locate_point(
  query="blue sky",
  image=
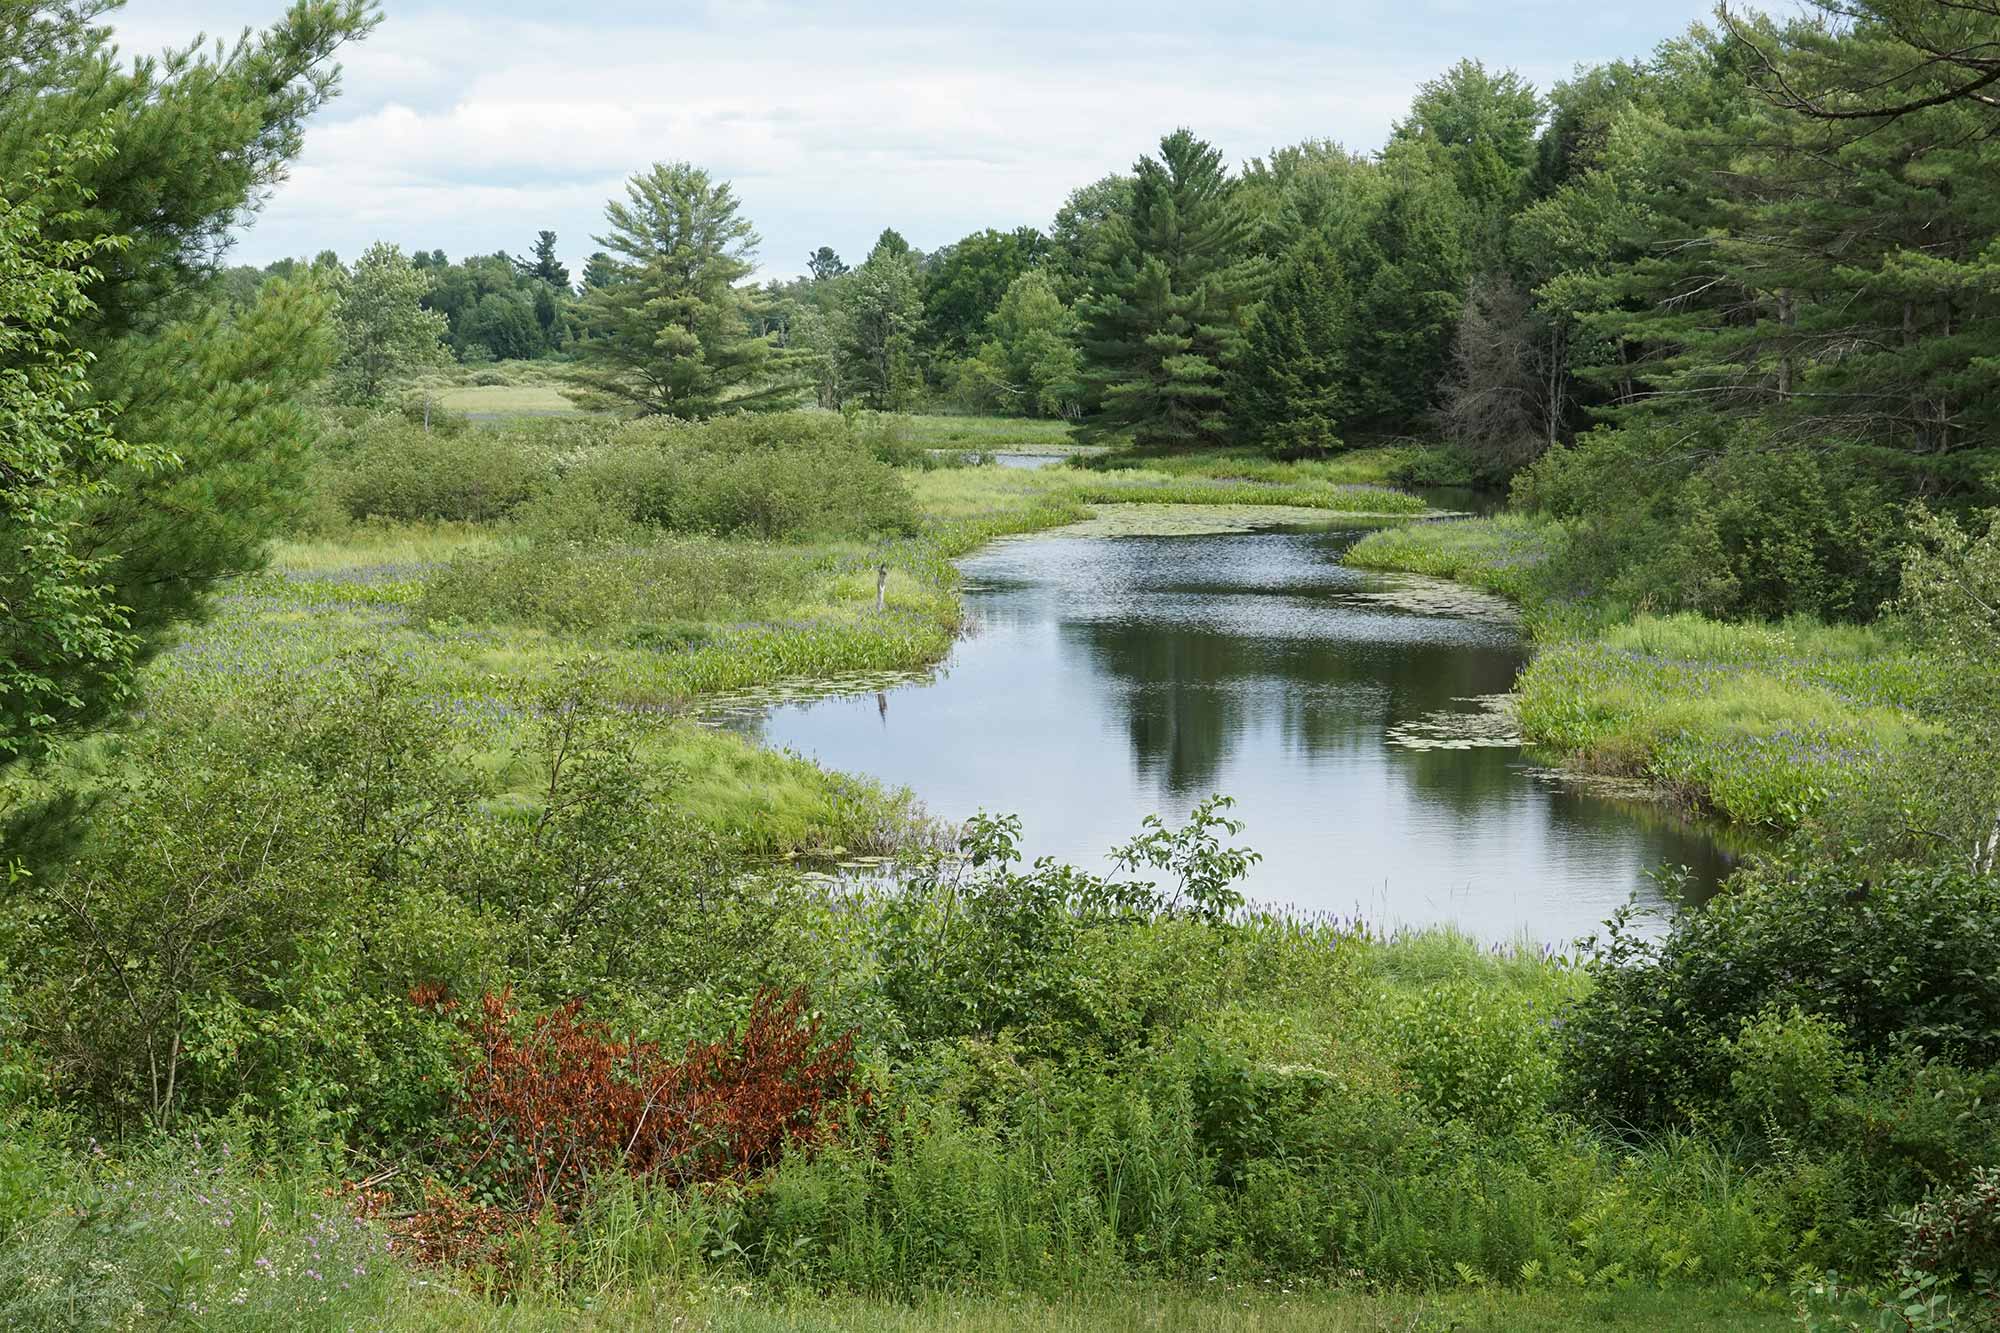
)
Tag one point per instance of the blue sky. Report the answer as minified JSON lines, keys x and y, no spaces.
{"x":470,"y":126}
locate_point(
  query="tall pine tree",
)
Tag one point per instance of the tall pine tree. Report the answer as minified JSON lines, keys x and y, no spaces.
{"x":1294,"y":389}
{"x":669,"y":333}
{"x":1173,"y":279}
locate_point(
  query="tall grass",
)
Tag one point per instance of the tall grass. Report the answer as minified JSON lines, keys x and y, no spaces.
{"x":1505,"y":554}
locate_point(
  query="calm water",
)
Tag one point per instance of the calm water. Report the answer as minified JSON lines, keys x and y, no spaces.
{"x":1108,"y":679}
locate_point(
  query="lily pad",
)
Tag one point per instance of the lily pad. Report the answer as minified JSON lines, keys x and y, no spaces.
{"x":1489,"y":724}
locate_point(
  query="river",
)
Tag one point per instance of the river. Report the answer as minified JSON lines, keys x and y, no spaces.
{"x":1106,"y":678}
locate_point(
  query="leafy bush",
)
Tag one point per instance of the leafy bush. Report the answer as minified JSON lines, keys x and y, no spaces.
{"x":398,"y":471}
{"x":1787,"y":1069}
{"x":1725,"y":523}
{"x":778,"y":475}
{"x":1902,"y":957}
{"x":546,"y":1108}
{"x":1476,"y":1053}
{"x":969,"y":945}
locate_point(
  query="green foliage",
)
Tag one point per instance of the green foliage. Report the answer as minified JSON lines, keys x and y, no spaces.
{"x":1786,"y":1068}
{"x":773,"y":477}
{"x":396,"y":470}
{"x":68,"y":651}
{"x":1028,"y":363}
{"x":385,"y":333}
{"x":963,"y":285}
{"x":198,"y":136}
{"x":878,"y":315}
{"x":669,"y":333}
{"x":1477,"y":1053}
{"x":105,"y":246}
{"x":1294,"y":390}
{"x":1171,"y":283}
{"x":1894,"y":962}
{"x":1750,"y":531}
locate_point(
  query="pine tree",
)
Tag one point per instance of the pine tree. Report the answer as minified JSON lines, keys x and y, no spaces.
{"x":214,"y":445}
{"x":542,"y":264}
{"x":1294,"y":390}
{"x":1170,"y":287}
{"x":669,"y":334}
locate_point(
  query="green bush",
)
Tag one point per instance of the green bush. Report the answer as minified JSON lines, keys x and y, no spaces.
{"x":1728,"y":524}
{"x":398,"y":471}
{"x":782,"y":475}
{"x":1900,"y":956}
{"x":1786,"y":1069}
{"x":1478,"y":1053}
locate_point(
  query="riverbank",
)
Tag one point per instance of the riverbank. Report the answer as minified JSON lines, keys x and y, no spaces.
{"x":1761,"y":724}
{"x":482,"y":615}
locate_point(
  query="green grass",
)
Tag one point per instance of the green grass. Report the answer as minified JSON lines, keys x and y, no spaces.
{"x":1761,"y":723}
{"x":1758,"y":723}
{"x":1000,"y":434}
{"x":507,"y":400}
{"x":1503,"y":554}
{"x":1381,"y":465}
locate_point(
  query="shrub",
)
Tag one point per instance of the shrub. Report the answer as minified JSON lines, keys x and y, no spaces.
{"x":1902,"y":956}
{"x":778,"y":475}
{"x":546,"y":1108}
{"x":1477,"y":1053}
{"x":1786,"y":1068}
{"x":400,"y":472}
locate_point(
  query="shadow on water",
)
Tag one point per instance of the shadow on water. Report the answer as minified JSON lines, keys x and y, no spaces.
{"x":1108,"y":679}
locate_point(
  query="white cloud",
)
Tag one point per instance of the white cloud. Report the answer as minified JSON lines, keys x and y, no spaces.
{"x":470,"y":131}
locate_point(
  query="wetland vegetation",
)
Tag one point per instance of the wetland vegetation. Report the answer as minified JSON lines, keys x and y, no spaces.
{"x":545,"y":800}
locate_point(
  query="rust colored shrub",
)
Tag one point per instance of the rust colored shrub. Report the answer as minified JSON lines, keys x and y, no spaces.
{"x":547,"y":1105}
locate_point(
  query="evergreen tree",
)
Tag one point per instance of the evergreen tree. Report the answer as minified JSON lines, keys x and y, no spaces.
{"x":600,"y":270}
{"x":1170,"y":287}
{"x":214,"y":442}
{"x":1294,"y":387}
{"x":542,"y":265}
{"x":823,"y":263}
{"x":385,"y":333}
{"x":67,"y":646}
{"x":669,"y":333}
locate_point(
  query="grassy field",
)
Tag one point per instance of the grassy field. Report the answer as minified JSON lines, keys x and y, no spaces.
{"x":507,"y":400}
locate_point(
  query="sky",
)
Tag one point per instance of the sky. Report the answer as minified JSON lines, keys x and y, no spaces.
{"x":469,"y":125}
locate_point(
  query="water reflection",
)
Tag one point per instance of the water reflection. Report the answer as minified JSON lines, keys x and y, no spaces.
{"x":1109,"y":679}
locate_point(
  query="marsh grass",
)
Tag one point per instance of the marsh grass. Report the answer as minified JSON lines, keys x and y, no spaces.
{"x":1504,"y":554}
{"x":1381,"y":465}
{"x":1763,"y":723}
